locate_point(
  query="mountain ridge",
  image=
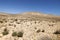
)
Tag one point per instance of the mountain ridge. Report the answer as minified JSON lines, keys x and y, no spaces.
{"x":29,"y":14}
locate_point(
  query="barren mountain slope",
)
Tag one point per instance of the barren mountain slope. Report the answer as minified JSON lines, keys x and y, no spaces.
{"x":29,"y":26}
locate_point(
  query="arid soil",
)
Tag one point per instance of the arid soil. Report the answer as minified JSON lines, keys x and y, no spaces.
{"x":29,"y":26}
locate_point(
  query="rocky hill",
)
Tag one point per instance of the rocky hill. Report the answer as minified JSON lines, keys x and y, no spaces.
{"x":29,"y":26}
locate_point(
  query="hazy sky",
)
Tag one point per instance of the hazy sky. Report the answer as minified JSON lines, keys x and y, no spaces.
{"x":19,"y":6}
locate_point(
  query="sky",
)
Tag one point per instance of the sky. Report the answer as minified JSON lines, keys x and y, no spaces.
{"x":20,"y":6}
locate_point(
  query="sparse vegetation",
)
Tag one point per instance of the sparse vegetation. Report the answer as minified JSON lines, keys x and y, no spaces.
{"x":10,"y":24}
{"x":43,"y":31}
{"x":19,"y":34}
{"x":35,"y":22}
{"x":14,"y":25}
{"x":5,"y":31}
{"x":17,"y":22}
{"x":57,"y":32}
{"x":38,"y":31}
{"x":15,"y":19}
{"x":14,"y":34}
{"x":1,"y":21}
{"x":50,"y":24}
